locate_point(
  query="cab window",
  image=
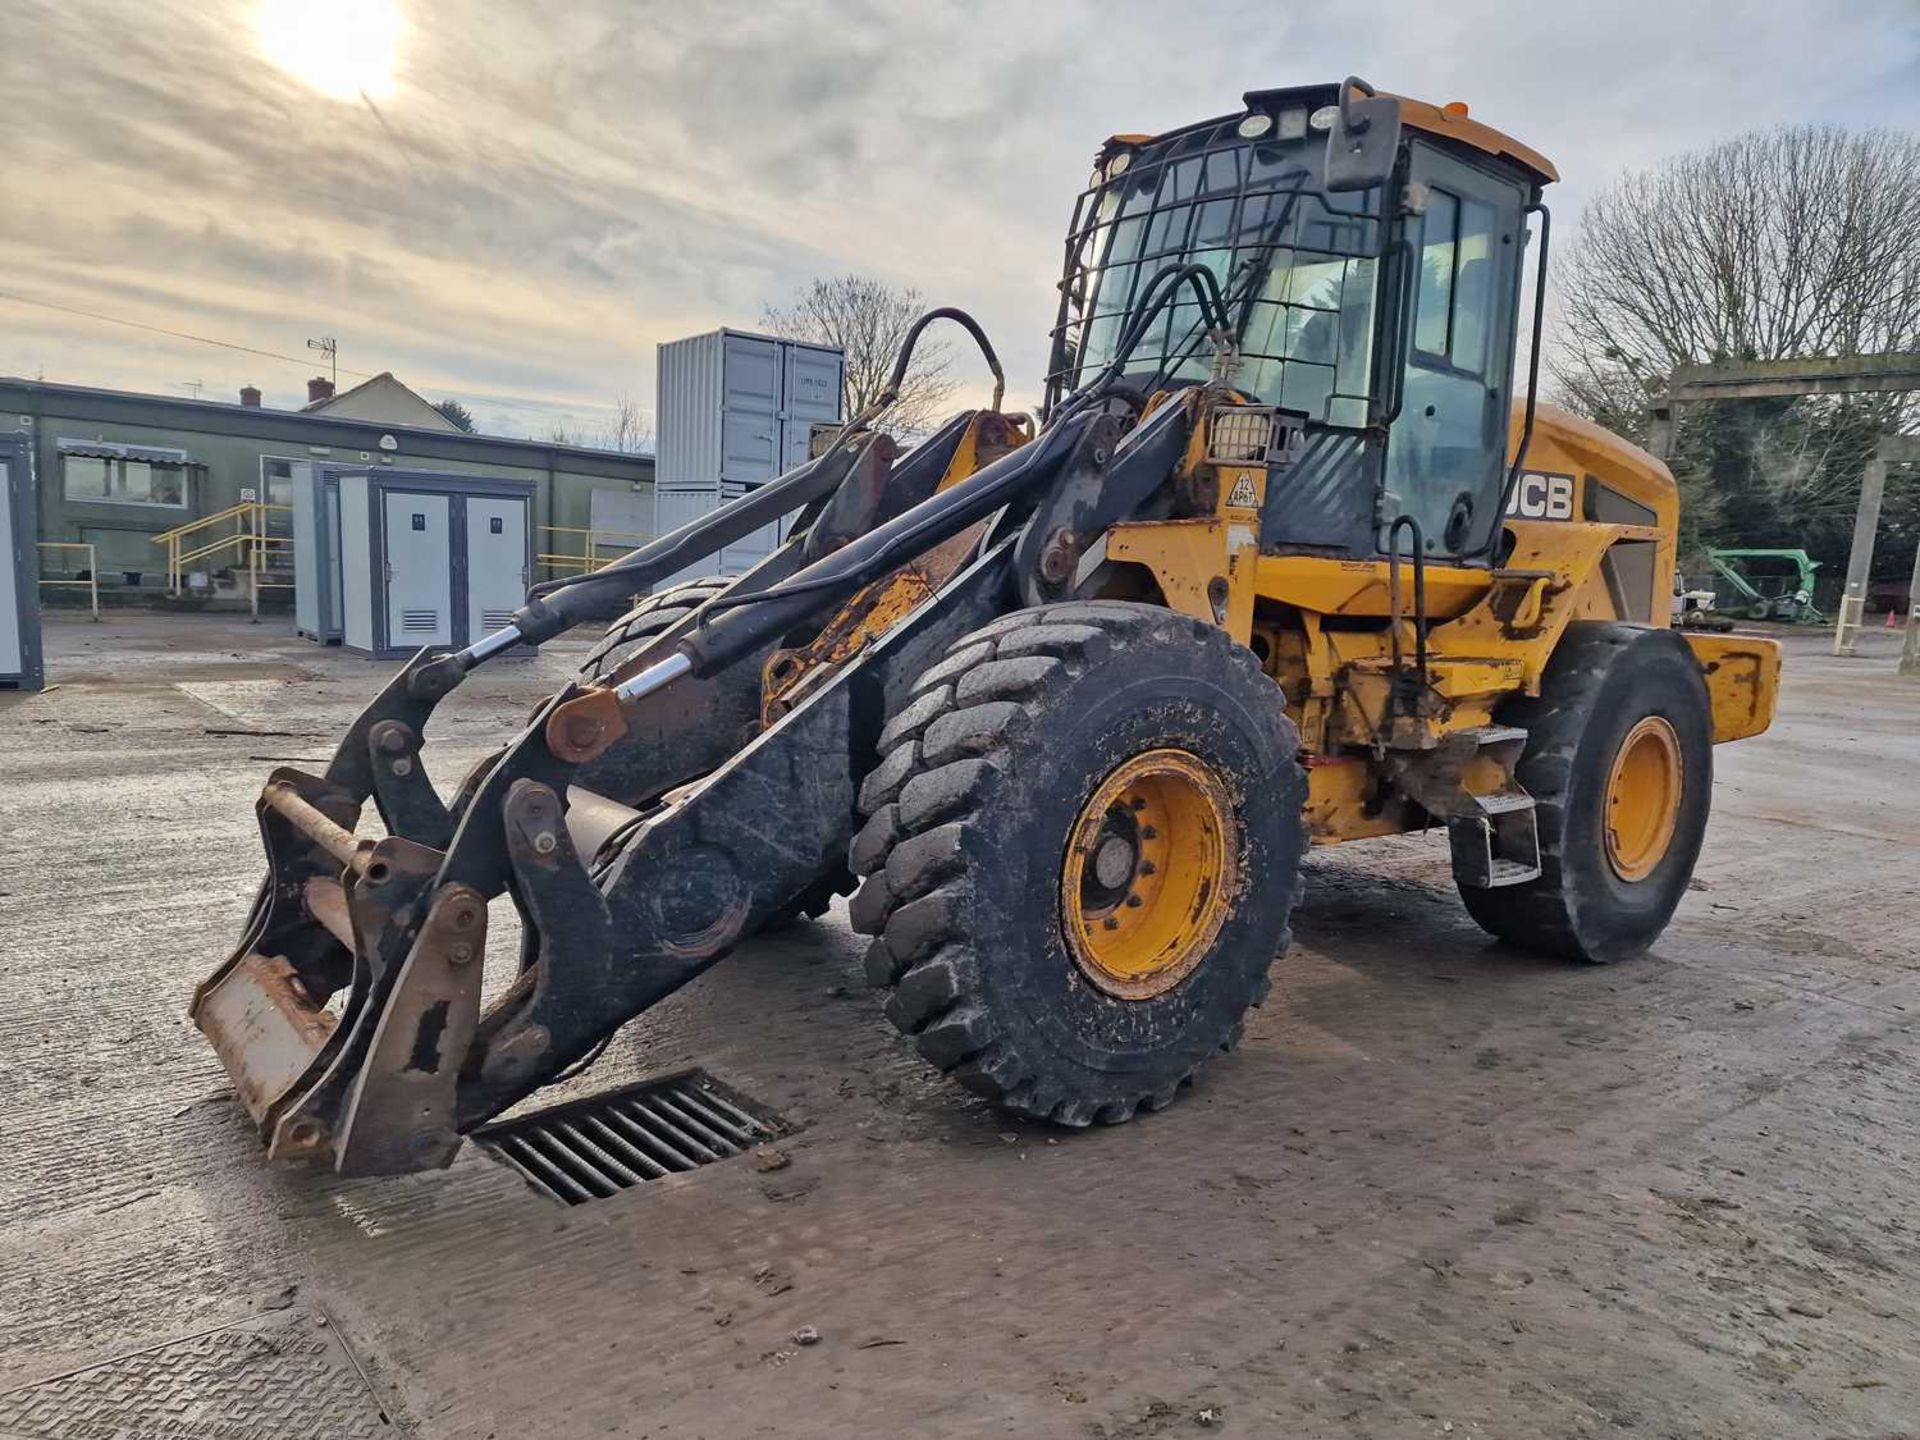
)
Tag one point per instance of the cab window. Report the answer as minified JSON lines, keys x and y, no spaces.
{"x":1446,"y":451}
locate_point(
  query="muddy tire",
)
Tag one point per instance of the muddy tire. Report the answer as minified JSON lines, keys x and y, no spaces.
{"x":1619,"y":760}
{"x":1042,"y":940}
{"x":650,"y":616}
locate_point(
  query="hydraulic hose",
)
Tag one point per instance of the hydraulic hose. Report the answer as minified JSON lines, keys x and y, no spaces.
{"x":904,"y":359}
{"x":1154,"y":299}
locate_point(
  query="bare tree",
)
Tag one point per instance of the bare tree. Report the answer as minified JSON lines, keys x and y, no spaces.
{"x":628,"y":430}
{"x":1787,"y":242}
{"x":1784,"y":243}
{"x":868,"y":319}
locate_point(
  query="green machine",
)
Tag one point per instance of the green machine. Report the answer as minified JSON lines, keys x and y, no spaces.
{"x":1768,"y":584}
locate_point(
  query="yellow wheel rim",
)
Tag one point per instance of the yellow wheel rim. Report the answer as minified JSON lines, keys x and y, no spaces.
{"x":1151,"y":871}
{"x":1643,"y":798}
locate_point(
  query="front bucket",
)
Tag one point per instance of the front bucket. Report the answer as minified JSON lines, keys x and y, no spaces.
{"x":265,"y":1028}
{"x":344,"y":1016}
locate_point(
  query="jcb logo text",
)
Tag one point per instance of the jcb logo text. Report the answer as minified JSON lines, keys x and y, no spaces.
{"x":1542,"y":497}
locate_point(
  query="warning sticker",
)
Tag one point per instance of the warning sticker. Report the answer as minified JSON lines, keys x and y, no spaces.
{"x":1243,"y":496}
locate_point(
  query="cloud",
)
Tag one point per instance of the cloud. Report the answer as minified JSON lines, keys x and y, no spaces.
{"x":551,"y":192}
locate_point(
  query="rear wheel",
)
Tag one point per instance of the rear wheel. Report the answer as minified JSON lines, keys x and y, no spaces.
{"x":651,"y":615}
{"x":1619,"y":761}
{"x":1082,"y":852}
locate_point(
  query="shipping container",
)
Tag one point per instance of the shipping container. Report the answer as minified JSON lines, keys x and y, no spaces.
{"x":734,"y":410}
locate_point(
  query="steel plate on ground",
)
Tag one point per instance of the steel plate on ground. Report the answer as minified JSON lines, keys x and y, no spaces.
{"x":283,"y":1375}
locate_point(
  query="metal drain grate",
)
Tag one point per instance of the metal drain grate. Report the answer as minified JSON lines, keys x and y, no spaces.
{"x":590,"y":1149}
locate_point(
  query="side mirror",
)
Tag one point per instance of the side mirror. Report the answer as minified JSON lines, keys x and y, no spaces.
{"x":1365,"y":139}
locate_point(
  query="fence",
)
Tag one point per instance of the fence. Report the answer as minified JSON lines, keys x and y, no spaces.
{"x":589,"y":557}
{"x":91,"y":584}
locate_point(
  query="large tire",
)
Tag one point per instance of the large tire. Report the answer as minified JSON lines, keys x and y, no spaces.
{"x":650,"y":616}
{"x":1604,"y":894}
{"x":989,"y":776}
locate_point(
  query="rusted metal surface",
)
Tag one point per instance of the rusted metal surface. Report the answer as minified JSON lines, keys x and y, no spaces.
{"x":327,"y":903}
{"x":584,"y":726}
{"x":791,"y":675}
{"x":384,"y":895}
{"x":265,"y":1028}
{"x":335,"y":839}
{"x":400,"y":1109}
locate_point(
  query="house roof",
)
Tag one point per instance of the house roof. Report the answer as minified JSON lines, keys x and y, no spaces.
{"x":371,"y":388}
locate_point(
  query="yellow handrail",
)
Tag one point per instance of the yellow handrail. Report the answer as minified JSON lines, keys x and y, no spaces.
{"x":91,"y":584}
{"x":250,"y":516}
{"x":588,"y":559}
{"x":231,"y":512}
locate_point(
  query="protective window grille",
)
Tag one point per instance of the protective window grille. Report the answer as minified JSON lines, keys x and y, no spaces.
{"x":590,"y":1149}
{"x":414,"y":621}
{"x":1295,"y":265}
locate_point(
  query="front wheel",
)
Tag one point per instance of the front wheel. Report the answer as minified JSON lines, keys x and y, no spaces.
{"x":1619,"y":761}
{"x":1082,"y":852}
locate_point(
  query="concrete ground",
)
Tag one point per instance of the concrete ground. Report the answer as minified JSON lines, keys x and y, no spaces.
{"x":1442,"y":1190}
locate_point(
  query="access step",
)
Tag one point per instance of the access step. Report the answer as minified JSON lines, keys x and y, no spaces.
{"x":1499,"y":843}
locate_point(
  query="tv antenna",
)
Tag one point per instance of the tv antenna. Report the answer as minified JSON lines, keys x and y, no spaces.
{"x":330,"y":348}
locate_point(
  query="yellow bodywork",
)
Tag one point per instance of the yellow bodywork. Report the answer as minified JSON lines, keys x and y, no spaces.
{"x":1606,"y":553}
{"x":789,"y":675}
{"x":1743,"y":678}
{"x":1336,"y":634}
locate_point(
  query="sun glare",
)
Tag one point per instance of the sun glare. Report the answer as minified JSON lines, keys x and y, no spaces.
{"x":342,"y":48}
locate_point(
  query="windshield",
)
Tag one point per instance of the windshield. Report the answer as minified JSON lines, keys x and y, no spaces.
{"x":1295,"y":264}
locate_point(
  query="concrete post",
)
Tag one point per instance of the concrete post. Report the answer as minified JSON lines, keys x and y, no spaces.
{"x":1866,"y":524}
{"x":1910,"y":652}
{"x":1660,"y":429}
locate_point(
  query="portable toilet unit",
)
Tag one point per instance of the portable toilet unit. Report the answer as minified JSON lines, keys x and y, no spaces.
{"x":430,"y":559}
{"x":319,"y":609}
{"x":735,"y":410}
{"x":20,"y":667}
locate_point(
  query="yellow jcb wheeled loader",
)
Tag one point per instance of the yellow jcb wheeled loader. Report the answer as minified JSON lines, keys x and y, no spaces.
{"x":1286,"y":561}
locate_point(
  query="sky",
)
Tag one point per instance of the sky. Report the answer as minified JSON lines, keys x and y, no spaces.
{"x":511,"y":204}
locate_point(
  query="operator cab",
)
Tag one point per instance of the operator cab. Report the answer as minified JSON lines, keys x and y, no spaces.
{"x":1368,"y":252}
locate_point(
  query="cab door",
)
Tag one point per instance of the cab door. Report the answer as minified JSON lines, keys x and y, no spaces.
{"x":1446,"y":452}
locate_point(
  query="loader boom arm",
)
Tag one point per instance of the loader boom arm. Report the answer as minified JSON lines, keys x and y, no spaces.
{"x":644,"y":900}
